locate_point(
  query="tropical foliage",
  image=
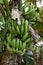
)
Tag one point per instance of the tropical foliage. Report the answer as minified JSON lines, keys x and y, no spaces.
{"x":17,"y":40}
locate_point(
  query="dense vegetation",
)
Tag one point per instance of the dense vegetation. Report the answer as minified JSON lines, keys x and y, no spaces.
{"x":21,"y":33}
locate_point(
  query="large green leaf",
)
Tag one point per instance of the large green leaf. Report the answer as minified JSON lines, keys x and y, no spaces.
{"x":28,"y":58}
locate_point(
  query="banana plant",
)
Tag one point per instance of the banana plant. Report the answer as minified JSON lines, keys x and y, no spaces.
{"x":15,"y":38}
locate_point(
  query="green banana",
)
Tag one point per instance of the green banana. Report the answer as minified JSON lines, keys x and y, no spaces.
{"x":22,"y":27}
{"x":25,"y":37}
{"x":9,"y":39}
{"x":26,"y":26}
{"x":17,"y":44}
{"x":17,"y":29}
{"x":9,"y":48}
{"x":13,"y":43}
{"x":15,"y":23}
{"x":22,"y":30}
{"x":20,"y":45}
{"x":23,"y":46}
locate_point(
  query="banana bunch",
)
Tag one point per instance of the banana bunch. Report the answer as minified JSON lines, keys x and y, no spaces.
{"x":18,"y":37}
{"x":22,"y":31}
{"x":15,"y":45}
{"x":15,"y":28}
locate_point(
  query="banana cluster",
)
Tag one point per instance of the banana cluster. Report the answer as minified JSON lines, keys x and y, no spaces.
{"x":18,"y":38}
{"x":15,"y":45}
{"x":16,"y":30}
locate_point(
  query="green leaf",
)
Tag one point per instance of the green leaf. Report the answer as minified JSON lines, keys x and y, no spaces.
{"x":28,"y":57}
{"x":1,"y":1}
